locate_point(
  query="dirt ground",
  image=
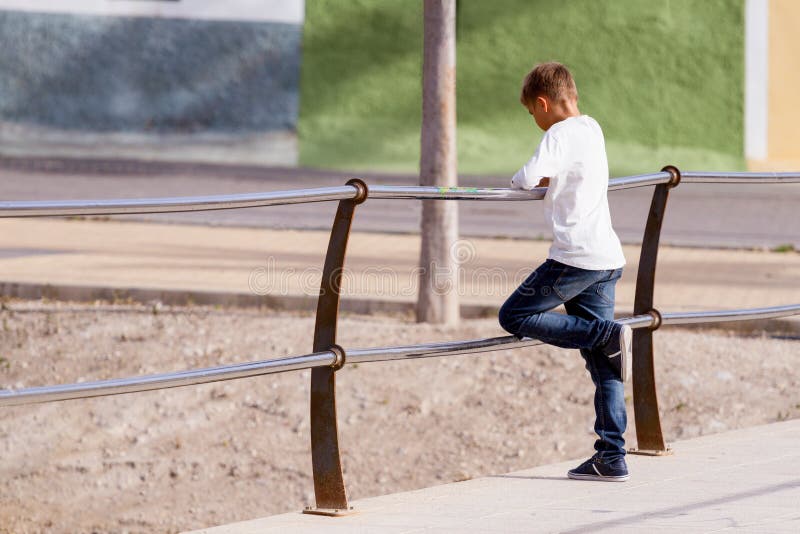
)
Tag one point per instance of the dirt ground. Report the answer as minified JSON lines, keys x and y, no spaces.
{"x":200,"y":456}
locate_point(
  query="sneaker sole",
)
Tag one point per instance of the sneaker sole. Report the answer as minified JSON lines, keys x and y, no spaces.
{"x":626,"y":352}
{"x":599,"y":478}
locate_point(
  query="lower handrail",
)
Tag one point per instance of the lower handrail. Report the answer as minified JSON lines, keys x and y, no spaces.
{"x":41,"y":394}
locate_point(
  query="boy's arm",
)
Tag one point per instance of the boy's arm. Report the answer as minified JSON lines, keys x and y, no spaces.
{"x":522,"y":180}
{"x":540,"y":168}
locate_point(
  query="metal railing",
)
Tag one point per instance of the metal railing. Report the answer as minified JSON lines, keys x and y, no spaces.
{"x":100,"y":388}
{"x":328,"y":357}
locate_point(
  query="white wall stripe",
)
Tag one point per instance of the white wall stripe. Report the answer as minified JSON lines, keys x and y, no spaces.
{"x":756,"y":87}
{"x":286,"y":11}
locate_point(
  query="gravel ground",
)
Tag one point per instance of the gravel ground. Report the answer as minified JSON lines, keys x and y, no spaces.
{"x":199,"y":456}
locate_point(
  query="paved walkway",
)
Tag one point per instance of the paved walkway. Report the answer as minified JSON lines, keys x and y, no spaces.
{"x":743,"y":481}
{"x":85,"y":259}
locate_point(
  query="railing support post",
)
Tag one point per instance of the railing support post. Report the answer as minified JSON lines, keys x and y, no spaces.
{"x":649,"y":436}
{"x":329,"y":488}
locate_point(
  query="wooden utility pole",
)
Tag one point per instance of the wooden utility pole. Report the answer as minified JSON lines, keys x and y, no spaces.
{"x":438,"y":285}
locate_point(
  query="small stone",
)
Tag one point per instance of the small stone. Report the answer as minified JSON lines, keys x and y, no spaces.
{"x":724,"y":376}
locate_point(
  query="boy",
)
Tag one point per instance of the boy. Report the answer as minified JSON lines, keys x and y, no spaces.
{"x":584,"y":263}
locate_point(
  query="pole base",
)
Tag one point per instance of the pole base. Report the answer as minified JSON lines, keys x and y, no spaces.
{"x":330,"y":512}
{"x":650,"y":452}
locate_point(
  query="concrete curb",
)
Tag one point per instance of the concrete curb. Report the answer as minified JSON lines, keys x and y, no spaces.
{"x":183,"y":297}
{"x":362,"y":306}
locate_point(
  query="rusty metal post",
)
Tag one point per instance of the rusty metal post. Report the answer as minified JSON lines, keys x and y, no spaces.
{"x":329,"y":488}
{"x":649,"y":437}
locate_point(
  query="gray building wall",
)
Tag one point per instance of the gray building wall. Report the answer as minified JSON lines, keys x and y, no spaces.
{"x":165,"y":88}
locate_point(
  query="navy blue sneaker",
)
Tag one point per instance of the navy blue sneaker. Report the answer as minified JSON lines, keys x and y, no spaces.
{"x":619,"y":351}
{"x":596,"y":469}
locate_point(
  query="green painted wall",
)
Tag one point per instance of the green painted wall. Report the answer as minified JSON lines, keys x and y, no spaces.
{"x":665,"y":80}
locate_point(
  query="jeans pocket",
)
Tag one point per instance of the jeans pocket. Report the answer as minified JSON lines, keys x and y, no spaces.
{"x":605,"y":290}
{"x":570,"y":282}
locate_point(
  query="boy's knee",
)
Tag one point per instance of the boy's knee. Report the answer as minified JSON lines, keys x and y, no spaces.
{"x":509,"y":319}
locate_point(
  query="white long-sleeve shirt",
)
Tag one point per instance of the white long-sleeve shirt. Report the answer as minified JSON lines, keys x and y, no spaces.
{"x":572,"y":154}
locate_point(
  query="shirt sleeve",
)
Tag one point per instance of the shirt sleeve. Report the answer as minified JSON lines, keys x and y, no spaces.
{"x":543,"y":163}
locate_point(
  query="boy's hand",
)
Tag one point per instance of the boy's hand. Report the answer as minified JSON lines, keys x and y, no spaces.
{"x":544,"y":182}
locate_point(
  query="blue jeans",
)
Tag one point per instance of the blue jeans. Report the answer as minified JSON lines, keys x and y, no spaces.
{"x":588,"y":297}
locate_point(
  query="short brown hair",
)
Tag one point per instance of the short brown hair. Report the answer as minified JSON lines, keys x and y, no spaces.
{"x":550,"y":79}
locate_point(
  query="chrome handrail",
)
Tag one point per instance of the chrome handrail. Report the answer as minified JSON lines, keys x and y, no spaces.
{"x":40,"y":394}
{"x":740,"y":177}
{"x":46,"y":208}
{"x":708,"y":317}
{"x":116,"y":386}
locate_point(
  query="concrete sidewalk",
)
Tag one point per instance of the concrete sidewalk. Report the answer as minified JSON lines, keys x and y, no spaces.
{"x":744,"y":481}
{"x":90,"y":259}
